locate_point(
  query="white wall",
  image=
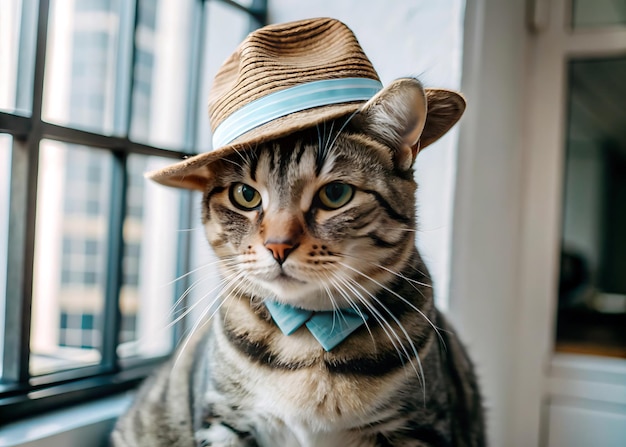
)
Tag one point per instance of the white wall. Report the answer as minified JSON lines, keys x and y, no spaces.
{"x":5,"y":174}
{"x":486,"y":241}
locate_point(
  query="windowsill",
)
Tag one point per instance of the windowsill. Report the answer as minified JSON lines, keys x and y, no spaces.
{"x":593,"y":379}
{"x":589,"y":331}
{"x":76,"y":426}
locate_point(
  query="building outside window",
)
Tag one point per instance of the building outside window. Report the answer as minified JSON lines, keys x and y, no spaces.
{"x":94,"y":260}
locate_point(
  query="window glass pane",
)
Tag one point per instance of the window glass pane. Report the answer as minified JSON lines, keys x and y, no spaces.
{"x":245,"y":3}
{"x":5,"y":176}
{"x":70,"y":256}
{"x":161,"y":82}
{"x":592,"y":292}
{"x":151,"y":250}
{"x":598,"y":13}
{"x":81,"y":63}
{"x":224,"y":30}
{"x":17,"y":54}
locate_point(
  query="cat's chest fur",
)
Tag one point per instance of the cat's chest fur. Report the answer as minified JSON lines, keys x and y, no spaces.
{"x":311,"y":408}
{"x":306,"y":406}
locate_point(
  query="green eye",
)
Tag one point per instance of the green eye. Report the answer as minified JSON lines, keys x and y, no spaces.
{"x":244,"y":196}
{"x":335,"y":195}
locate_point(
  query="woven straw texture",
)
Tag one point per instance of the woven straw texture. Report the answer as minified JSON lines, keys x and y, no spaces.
{"x":277,"y":57}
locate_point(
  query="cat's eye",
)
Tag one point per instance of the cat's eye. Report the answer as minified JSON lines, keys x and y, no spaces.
{"x":244,"y":196}
{"x":335,"y":195}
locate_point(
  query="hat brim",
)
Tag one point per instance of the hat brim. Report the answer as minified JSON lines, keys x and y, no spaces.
{"x":193,"y":172}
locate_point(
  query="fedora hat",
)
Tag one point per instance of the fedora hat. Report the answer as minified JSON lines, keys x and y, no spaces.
{"x":288,"y":77}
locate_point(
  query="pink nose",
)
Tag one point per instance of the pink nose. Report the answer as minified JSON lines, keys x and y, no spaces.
{"x":280,"y":250}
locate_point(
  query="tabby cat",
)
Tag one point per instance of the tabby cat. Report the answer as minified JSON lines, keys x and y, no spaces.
{"x":322,"y":219}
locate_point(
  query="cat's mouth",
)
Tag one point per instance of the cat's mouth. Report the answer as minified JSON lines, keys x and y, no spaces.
{"x":284,"y":277}
{"x":300,"y":291}
{"x":283,"y":285}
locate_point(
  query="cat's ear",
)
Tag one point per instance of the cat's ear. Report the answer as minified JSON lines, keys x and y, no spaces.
{"x":406,"y":117}
{"x":396,"y":116}
{"x":445,"y":108}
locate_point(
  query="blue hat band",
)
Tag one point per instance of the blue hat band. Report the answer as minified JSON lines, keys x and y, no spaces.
{"x":291,"y":100}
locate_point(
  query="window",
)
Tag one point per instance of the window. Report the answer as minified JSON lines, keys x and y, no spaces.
{"x":598,"y":13}
{"x":592,"y":287}
{"x":93,"y":259}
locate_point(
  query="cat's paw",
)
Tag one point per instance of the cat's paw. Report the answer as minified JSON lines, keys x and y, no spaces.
{"x":219,"y":435}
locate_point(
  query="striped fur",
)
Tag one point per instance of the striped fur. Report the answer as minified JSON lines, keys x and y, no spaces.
{"x":403,"y":379}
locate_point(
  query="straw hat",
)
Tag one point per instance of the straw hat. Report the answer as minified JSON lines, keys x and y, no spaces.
{"x":284,"y":78}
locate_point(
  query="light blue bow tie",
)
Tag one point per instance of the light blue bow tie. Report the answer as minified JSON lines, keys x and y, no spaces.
{"x":329,"y":327}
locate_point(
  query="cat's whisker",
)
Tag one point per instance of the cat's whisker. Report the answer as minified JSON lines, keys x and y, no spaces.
{"x":336,"y":311}
{"x":412,"y":282}
{"x":233,"y":162}
{"x":420,"y":374}
{"x":430,"y":230}
{"x":196,"y":283}
{"x":320,"y":138}
{"x":350,"y":282}
{"x":189,"y":230}
{"x":327,"y":144}
{"x":222,"y":299}
{"x":235,"y":291}
{"x":244,"y":155}
{"x":197,"y":269}
{"x":322,"y":150}
{"x":218,"y":287}
{"x":165,"y":326}
{"x":378,"y":301}
{"x":337,"y":284}
{"x":190,"y":309}
{"x":394,"y":293}
{"x":332,"y":301}
{"x":330,"y":147}
{"x":247,"y":154}
{"x":399,"y":275}
{"x":408,"y":230}
{"x":424,"y":275}
{"x":397,"y":295}
{"x":404,"y":277}
{"x":345,"y":281}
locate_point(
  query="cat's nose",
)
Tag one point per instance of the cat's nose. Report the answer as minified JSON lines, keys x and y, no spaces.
{"x":280,"y":249}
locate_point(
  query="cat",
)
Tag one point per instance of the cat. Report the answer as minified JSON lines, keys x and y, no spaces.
{"x":323,"y":219}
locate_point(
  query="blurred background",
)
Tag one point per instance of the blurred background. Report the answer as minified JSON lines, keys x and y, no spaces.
{"x":521,"y":207}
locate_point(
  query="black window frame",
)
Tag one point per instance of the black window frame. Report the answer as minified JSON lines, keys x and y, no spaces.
{"x":20,"y":393}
